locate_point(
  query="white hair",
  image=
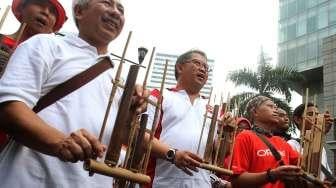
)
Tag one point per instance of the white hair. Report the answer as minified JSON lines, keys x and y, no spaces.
{"x":80,"y":3}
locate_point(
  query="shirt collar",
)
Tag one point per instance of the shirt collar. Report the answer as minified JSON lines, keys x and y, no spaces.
{"x":260,"y":130}
{"x":75,"y":40}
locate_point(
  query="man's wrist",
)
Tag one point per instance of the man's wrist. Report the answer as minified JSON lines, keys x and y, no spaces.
{"x":171,"y":155}
{"x":270,"y":176}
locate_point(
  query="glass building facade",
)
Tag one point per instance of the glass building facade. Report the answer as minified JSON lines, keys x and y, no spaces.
{"x":158,"y":68}
{"x":303,"y":28}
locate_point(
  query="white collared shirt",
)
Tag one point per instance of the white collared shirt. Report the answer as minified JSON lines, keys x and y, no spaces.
{"x":38,"y":65}
{"x":181,"y":129}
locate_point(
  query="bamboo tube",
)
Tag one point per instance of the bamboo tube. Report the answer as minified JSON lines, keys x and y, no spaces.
{"x":101,"y":168}
{"x":303,"y":127}
{"x":134,"y":125}
{"x":216,"y":169}
{"x":114,"y":88}
{"x":227,"y":106}
{"x":3,"y":18}
{"x":204,"y":121}
{"x":156,"y":115}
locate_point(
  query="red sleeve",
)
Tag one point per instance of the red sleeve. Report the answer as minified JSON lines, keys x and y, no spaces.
{"x":242,"y":153}
{"x":293,"y":155}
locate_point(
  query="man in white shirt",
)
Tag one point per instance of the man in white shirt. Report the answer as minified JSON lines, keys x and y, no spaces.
{"x":181,"y":123}
{"x":66,"y":130}
{"x":298,"y":120}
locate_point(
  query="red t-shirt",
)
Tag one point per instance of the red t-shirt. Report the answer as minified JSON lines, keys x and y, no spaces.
{"x":6,"y":43}
{"x":252,"y":155}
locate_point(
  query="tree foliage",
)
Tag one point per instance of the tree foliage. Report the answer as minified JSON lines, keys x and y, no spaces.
{"x":267,"y":81}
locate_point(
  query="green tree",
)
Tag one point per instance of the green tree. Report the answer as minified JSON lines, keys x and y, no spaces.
{"x":267,"y":81}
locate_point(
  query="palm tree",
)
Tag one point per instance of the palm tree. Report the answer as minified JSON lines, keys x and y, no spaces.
{"x":266,"y":81}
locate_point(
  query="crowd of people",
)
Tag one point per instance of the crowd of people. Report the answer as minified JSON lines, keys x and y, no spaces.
{"x":46,"y":148}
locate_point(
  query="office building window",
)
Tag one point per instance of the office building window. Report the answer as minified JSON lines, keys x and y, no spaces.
{"x":311,"y":24}
{"x":291,"y":57}
{"x":332,"y":13}
{"x":283,"y":11}
{"x":323,"y":17}
{"x":312,"y":50}
{"x":312,"y":3}
{"x":302,"y":26}
{"x":291,"y":31}
{"x":301,"y":5}
{"x":291,"y":8}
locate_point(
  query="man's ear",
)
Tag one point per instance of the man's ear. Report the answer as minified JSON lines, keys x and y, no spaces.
{"x":79,"y":12}
{"x":179,"y":68}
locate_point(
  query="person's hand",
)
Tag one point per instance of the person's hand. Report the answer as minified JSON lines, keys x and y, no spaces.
{"x":227,"y":121}
{"x":327,"y":184}
{"x":328,"y":121}
{"x":187,"y":161}
{"x":287,"y":172}
{"x":78,"y":146}
{"x":139,"y":101}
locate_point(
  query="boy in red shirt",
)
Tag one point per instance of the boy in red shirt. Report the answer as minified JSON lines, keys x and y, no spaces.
{"x":253,"y":163}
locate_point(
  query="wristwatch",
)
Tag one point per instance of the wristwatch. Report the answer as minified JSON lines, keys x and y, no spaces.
{"x":270,"y":176}
{"x":170,"y":155}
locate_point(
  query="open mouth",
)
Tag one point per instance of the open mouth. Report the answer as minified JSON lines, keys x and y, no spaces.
{"x":201,"y":76}
{"x":42,"y":21}
{"x":111,"y":23}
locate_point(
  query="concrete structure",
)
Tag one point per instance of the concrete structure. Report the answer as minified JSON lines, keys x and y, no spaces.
{"x":157,"y":73}
{"x":303,"y":26}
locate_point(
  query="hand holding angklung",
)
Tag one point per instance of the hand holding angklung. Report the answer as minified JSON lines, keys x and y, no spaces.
{"x":78,"y":146}
{"x":187,"y":161}
{"x":139,"y":100}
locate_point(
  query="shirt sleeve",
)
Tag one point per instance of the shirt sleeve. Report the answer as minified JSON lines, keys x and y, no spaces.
{"x":293,"y":155}
{"x":241,"y":154}
{"x":26,"y":71}
{"x":151,"y":108}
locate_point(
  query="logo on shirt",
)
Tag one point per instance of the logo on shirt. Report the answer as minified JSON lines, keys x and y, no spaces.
{"x":267,"y":152}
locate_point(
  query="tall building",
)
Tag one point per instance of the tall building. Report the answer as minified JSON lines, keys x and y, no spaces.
{"x":158,"y":68}
{"x":303,"y":26}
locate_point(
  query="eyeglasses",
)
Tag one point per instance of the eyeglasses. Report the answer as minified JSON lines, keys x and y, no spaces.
{"x":200,"y":64}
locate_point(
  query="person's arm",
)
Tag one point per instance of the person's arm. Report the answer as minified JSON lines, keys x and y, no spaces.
{"x":26,"y":127}
{"x":184,"y":160}
{"x":247,"y":179}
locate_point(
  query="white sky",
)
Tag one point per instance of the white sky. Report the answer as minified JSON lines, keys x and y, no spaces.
{"x":230,"y":31}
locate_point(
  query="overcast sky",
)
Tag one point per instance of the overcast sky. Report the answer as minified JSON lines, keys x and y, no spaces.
{"x":230,"y":31}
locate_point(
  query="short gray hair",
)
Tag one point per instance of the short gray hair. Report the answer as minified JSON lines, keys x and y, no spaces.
{"x":81,"y":3}
{"x":187,"y":56}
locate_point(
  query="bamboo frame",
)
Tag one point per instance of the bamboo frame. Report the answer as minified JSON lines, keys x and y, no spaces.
{"x":101,"y":168}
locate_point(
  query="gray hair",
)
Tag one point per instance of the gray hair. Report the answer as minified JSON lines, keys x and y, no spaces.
{"x":80,"y":3}
{"x":187,"y":56}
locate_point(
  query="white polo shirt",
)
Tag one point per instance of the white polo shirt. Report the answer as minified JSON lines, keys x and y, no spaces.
{"x":181,"y":129}
{"x":37,"y":66}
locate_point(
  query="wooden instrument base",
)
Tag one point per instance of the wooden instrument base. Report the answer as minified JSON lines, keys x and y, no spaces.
{"x":216,"y":169}
{"x":120,"y":173}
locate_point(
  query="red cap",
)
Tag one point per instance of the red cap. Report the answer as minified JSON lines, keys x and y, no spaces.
{"x":242,"y":119}
{"x":60,"y":18}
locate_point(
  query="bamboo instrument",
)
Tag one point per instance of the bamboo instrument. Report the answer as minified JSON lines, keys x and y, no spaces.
{"x":129,"y":130}
{"x":310,"y":146}
{"x":303,"y":127}
{"x":210,"y":157}
{"x":156,"y":115}
{"x":204,"y":122}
